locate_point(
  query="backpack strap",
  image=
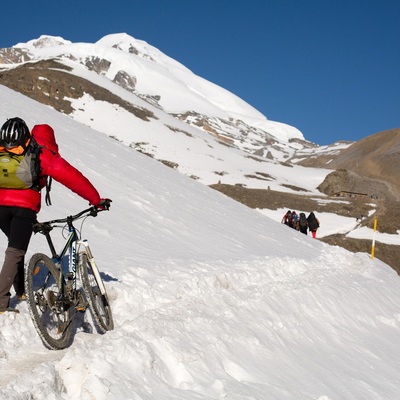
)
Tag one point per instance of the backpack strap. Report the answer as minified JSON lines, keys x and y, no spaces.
{"x":49,"y":181}
{"x":37,"y":149}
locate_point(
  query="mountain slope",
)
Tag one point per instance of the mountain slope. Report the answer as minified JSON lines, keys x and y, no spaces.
{"x":150,"y":74}
{"x":211,"y":300}
{"x":155,"y":100}
{"x":137,"y":95}
{"x":377,"y":157}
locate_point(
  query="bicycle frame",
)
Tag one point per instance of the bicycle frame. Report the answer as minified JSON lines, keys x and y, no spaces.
{"x":52,"y":293}
{"x":71,"y":247}
{"x":72,"y":244}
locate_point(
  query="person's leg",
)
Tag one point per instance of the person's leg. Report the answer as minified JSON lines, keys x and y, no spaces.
{"x":5,"y":220}
{"x":19,"y":280}
{"x":6,"y":216}
{"x":7,"y":275}
{"x":19,"y":236}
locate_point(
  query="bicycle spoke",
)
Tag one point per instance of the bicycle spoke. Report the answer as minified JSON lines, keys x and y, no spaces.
{"x":51,"y":318}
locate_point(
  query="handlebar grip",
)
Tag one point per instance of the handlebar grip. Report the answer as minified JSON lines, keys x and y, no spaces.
{"x":42,"y":227}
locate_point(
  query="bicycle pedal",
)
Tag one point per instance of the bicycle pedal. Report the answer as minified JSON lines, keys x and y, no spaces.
{"x":80,"y":302}
{"x":60,"y":328}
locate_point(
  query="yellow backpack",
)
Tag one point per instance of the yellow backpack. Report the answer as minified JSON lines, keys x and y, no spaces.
{"x":19,"y":168}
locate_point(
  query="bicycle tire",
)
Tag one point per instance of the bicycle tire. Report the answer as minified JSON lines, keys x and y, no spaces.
{"x":98,"y":303}
{"x":51,"y":319}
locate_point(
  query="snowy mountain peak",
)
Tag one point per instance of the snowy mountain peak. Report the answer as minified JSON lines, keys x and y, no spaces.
{"x":129,"y":44}
{"x":43,"y":41}
{"x":166,"y":111}
{"x":155,"y":75}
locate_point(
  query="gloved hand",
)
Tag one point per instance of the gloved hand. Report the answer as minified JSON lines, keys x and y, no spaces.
{"x":104,"y":204}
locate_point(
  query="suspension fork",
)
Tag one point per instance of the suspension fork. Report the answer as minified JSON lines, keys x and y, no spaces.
{"x":92,"y":262}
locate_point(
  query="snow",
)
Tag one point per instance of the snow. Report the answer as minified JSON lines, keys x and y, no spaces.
{"x":331,"y":224}
{"x":211,"y":300}
{"x":165,"y":137}
{"x":159,"y":74}
{"x":364,"y":232}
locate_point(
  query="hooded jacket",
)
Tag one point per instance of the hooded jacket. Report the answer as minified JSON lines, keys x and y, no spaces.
{"x":53,"y":165}
{"x":313,"y":222}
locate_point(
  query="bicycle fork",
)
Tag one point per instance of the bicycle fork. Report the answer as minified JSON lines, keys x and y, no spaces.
{"x":95,"y":270}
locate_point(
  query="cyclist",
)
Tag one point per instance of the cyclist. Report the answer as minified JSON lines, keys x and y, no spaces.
{"x":19,"y":207}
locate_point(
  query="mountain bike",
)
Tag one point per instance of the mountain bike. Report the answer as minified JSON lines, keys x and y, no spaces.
{"x":51,"y":284}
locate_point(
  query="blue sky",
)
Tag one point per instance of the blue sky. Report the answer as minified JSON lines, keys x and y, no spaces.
{"x":329,"y":68}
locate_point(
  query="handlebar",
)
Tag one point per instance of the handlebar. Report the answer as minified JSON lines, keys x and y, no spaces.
{"x":46,"y":227}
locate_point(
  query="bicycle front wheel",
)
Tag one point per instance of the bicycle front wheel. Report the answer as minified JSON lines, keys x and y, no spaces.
{"x":51,"y":318}
{"x":98,"y":303}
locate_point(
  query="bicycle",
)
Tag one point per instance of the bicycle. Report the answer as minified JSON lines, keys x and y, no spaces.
{"x":53,"y":297}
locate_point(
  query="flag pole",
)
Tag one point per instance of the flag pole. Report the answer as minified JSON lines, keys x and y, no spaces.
{"x":373,"y":239}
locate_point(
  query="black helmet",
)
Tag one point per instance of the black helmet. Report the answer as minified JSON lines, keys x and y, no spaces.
{"x":14,"y":132}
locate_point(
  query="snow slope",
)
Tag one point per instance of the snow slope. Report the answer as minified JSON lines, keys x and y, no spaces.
{"x":157,"y":74}
{"x":211,"y":299}
{"x":234,"y":145}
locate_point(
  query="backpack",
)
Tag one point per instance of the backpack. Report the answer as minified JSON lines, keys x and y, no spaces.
{"x":303,"y":220}
{"x":20,"y":171}
{"x":288,"y":218}
{"x":313,"y":223}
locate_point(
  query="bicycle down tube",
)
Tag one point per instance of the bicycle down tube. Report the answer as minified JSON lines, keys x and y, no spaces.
{"x":70,"y":246}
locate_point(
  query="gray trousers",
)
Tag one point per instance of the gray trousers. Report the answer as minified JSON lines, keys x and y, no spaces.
{"x":13,"y":258}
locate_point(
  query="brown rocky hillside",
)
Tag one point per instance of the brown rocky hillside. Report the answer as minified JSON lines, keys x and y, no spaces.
{"x":376,"y":157}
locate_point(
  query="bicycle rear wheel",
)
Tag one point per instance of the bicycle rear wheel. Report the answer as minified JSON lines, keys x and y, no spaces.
{"x":98,"y":303}
{"x":51,"y":318}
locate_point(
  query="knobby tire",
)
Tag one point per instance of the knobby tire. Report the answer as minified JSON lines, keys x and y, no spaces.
{"x":98,"y":303}
{"x":51,"y":318}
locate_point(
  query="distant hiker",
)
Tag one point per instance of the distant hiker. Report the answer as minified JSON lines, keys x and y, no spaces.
{"x":32,"y":157}
{"x":313,"y":224}
{"x":295,"y":220}
{"x":287,"y":218}
{"x":303,"y":224}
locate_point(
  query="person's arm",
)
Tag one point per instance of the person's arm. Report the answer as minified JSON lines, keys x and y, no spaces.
{"x":59,"y":169}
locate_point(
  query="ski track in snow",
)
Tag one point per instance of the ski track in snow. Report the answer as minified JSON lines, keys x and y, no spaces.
{"x":12,"y":370}
{"x":39,"y":360}
{"x":240,"y":288}
{"x":239,"y":283}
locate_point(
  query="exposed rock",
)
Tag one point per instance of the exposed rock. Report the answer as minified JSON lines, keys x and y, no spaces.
{"x":377,"y":157}
{"x":48,"y":82}
{"x":98,"y":65}
{"x":351,"y":182}
{"x":125,"y":80}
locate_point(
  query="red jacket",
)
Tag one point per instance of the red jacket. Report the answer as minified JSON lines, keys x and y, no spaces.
{"x":51,"y":164}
